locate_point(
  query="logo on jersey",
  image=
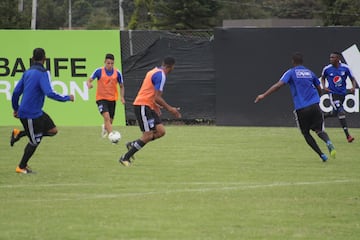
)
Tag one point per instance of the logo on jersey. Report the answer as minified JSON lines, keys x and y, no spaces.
{"x":337,"y":80}
{"x":302,"y":73}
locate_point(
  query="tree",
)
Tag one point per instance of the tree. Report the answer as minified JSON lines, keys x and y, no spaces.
{"x":99,"y":20}
{"x":11,"y":17}
{"x":143,"y":16}
{"x":50,"y":15}
{"x":242,"y":9}
{"x":305,"y":9}
{"x":186,"y":14}
{"x":81,"y":13}
{"x":128,"y":8}
{"x":341,"y":12}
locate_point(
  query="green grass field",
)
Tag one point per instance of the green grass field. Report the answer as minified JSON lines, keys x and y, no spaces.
{"x":198,"y":182}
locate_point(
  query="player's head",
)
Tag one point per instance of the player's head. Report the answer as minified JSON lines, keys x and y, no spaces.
{"x":335,"y":58}
{"x":38,"y":55}
{"x":168,"y":64}
{"x":109,"y":61}
{"x":297,"y":58}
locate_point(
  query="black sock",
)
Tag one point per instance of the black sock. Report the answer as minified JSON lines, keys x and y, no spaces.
{"x":323,"y":136}
{"x":344,"y":126}
{"x":135,"y":146}
{"x":28,"y":152}
{"x":21,"y":134}
{"x":312,"y":143}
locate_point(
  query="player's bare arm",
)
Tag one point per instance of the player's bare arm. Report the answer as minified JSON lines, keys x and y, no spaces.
{"x":122,"y":93}
{"x":353,"y":82}
{"x":161,"y":101}
{"x":272,"y":89}
{"x":89,"y":83}
{"x":324,"y":84}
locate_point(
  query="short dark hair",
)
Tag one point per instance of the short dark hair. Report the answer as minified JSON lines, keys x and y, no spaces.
{"x":38,"y":54}
{"x":297,"y":58}
{"x":337,"y":53}
{"x":109,"y":56}
{"x":169,"y":61}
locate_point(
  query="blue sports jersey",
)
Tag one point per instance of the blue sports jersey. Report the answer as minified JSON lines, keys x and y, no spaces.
{"x":302,"y":84}
{"x":336,"y":77}
{"x":97,"y":74}
{"x":34,"y":85}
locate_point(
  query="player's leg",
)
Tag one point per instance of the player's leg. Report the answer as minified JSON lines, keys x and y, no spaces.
{"x":15,"y":136}
{"x":317,"y":125}
{"x":111,"y":108}
{"x":303,"y":121}
{"x":146,"y":120}
{"x":342,"y":119}
{"x":48,"y":126}
{"x":333,"y":112}
{"x":338,"y":105}
{"x":107,"y":122}
{"x":31,"y":128}
{"x":103,"y":108}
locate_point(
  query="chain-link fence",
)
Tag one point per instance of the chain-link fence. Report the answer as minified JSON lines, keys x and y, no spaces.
{"x":135,"y":41}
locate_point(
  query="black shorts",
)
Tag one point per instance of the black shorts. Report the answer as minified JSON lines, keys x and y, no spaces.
{"x":35,"y":128}
{"x":310,"y":118}
{"x":107,"y":106}
{"x":147,"y":118}
{"x":337,"y":101}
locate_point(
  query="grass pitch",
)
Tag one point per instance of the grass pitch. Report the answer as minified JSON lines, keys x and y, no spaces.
{"x":198,"y":182}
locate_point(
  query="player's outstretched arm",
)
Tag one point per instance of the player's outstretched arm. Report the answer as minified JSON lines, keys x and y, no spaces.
{"x":272,"y":89}
{"x":161,"y":101}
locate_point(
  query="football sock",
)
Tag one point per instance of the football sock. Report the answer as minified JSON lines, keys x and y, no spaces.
{"x":22,"y":134}
{"x":136,"y":146}
{"x":28,"y":152}
{"x":323,"y":136}
{"x":312,"y":143}
{"x":343,"y":124}
{"x":346,"y":131}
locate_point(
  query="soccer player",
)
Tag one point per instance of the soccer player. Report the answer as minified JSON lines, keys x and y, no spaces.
{"x":336,"y":74}
{"x":33,"y":86}
{"x":147,"y":106}
{"x":305,"y":89}
{"x":108,"y":77}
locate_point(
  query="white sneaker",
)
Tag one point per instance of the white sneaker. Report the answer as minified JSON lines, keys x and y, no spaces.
{"x":103,"y":131}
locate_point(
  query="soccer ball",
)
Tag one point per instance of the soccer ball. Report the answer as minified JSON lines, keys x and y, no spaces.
{"x":114,"y":136}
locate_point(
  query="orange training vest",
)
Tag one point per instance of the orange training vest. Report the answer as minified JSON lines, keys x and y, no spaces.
{"x":107,"y":86}
{"x":146,"y":94}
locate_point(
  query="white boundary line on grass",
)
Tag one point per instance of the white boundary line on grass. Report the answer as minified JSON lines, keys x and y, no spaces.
{"x":241,"y":186}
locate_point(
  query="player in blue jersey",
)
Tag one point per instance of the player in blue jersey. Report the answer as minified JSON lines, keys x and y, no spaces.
{"x":305,"y":90}
{"x":336,"y":74}
{"x":33,"y":86}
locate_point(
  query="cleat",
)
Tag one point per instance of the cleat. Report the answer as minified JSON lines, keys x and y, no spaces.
{"x":350,"y":139}
{"x":103,"y":131}
{"x":124,"y":162}
{"x":331,"y":149}
{"x":129,"y":145}
{"x":26,"y":170}
{"x":14,"y":136}
{"x":324,"y":157}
